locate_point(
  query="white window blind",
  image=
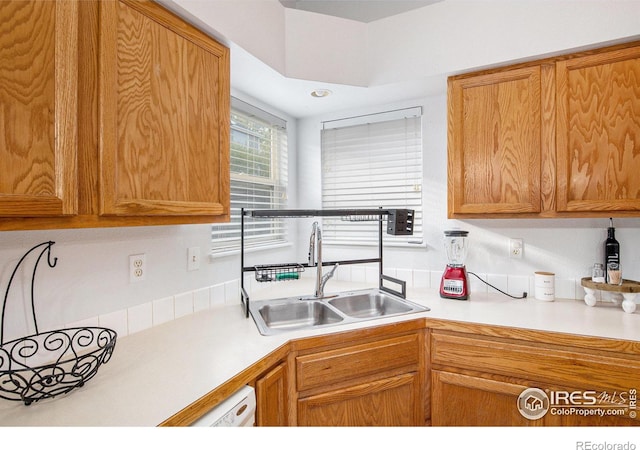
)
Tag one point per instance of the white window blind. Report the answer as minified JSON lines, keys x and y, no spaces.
{"x":258,"y":178}
{"x":370,"y":165}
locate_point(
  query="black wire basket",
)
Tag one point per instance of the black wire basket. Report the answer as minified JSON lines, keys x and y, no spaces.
{"x":50,"y":363}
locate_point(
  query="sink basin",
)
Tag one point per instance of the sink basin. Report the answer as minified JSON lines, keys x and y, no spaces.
{"x":297,"y":313}
{"x":301,"y":314}
{"x":370,"y":304}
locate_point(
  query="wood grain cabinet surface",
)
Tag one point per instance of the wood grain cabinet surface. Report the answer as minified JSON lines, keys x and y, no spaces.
{"x":115,"y":113}
{"x":272,"y":400}
{"x":164,"y":115}
{"x":38,"y":97}
{"x":495,"y":128}
{"x":558,"y":137}
{"x":477,"y":381}
{"x":599,"y":132}
{"x":372,"y":383}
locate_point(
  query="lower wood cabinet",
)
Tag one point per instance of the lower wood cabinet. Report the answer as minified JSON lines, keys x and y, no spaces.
{"x":390,"y":401}
{"x":441,"y":373}
{"x":374,"y":380}
{"x":495,"y":381}
{"x":464,"y":400}
{"x":272,"y":398}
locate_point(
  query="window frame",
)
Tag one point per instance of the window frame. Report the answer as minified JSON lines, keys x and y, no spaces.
{"x":225,"y":238}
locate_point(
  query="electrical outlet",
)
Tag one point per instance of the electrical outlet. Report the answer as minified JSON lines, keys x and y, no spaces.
{"x":516,"y":247}
{"x":137,"y":267}
{"x":193,"y":258}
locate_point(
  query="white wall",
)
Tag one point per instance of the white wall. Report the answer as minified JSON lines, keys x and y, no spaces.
{"x":567,"y":247}
{"x":456,"y":35}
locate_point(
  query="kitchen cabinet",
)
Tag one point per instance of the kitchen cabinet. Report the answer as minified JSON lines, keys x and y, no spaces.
{"x":378,"y":382}
{"x":272,"y":398}
{"x":556,"y":137}
{"x":598,"y":106}
{"x":466,"y":400}
{"x":164,"y":115}
{"x":38,"y":84}
{"x":477,"y":380}
{"x":496,"y":136}
{"x":437,"y":372}
{"x":141,"y":124}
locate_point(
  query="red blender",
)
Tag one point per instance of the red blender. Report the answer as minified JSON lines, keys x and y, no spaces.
{"x":454,"y":282}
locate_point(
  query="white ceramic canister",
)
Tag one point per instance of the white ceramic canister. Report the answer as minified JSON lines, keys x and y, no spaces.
{"x":545,"y":286}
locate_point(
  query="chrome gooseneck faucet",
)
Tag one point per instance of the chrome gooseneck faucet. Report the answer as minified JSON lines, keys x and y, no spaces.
{"x":315,"y":258}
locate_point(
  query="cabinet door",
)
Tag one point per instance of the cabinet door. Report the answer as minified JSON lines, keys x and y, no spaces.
{"x":164,"y":114}
{"x":388,"y":402}
{"x":38,"y":98}
{"x":496,"y":142}
{"x":272,"y":399}
{"x":598,"y":142}
{"x":463,"y":400}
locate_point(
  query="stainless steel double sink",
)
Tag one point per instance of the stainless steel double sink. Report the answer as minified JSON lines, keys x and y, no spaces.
{"x":306,"y":312}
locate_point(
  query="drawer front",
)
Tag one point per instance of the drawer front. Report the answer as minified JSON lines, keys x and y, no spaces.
{"x":566,"y":367}
{"x":326,"y":368}
{"x":389,"y":402}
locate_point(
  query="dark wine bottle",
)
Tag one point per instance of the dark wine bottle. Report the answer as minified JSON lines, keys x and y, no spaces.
{"x":611,"y":248}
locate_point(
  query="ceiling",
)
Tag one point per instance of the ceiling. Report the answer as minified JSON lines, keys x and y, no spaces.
{"x":418,"y":43}
{"x":293,"y":96}
{"x":360,"y":10}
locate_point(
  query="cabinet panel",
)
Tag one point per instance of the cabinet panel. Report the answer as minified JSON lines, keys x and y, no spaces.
{"x":494,"y":142}
{"x":387,"y":402}
{"x":562,"y":367}
{"x":477,"y":381}
{"x":329,"y":367}
{"x":164,"y":99}
{"x":463,"y":400}
{"x":599,"y":132}
{"x":272,"y":399}
{"x":38,"y":98}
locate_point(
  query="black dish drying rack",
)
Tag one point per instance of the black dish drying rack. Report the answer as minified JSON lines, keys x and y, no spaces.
{"x":51,"y":363}
{"x":399,"y":222}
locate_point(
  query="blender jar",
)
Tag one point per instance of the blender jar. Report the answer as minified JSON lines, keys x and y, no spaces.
{"x":456,"y":246}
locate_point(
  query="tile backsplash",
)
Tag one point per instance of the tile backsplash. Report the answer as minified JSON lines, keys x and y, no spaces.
{"x":141,"y":317}
{"x":147,"y":315}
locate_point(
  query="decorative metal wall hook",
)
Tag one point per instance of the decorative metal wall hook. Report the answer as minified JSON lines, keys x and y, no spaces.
{"x":47,"y":248}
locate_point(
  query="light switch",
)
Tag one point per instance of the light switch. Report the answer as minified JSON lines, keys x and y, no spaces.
{"x":193,"y":258}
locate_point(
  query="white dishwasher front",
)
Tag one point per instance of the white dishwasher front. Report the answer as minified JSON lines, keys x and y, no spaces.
{"x":238,"y":410}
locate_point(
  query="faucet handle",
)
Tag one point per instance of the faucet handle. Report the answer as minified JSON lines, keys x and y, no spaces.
{"x":329,"y":274}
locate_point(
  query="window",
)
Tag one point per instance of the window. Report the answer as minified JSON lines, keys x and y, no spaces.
{"x":369,"y":162}
{"x":258,"y":177}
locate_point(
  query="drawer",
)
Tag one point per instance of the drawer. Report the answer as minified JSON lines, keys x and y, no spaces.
{"x":346,"y":363}
{"x":568,"y":367}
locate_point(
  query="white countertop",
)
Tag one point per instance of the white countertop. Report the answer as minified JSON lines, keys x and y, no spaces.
{"x":157,"y":372}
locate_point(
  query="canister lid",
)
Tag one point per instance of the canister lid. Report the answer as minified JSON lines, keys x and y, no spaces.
{"x":456,"y":233}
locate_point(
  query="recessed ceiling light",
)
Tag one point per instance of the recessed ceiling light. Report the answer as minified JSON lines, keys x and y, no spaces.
{"x":319,"y":93}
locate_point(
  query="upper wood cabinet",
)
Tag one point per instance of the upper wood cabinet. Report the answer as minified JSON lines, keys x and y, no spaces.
{"x":599,"y":132}
{"x":114,"y":113}
{"x":558,"y":137}
{"x":495,"y":139}
{"x":164,"y":113}
{"x":38,"y":126}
